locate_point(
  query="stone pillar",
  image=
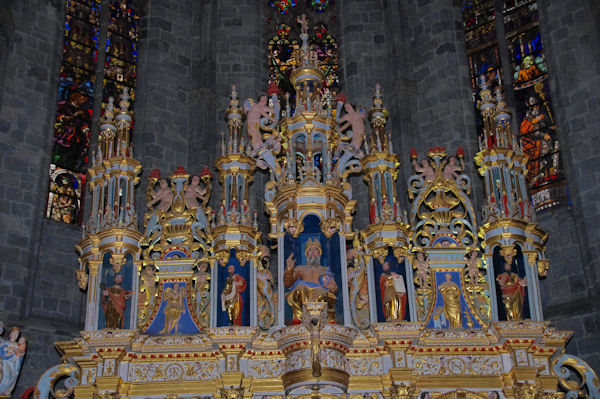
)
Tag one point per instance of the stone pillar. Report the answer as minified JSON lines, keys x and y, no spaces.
{"x":402,"y":91}
{"x":161,"y":130}
{"x":26,"y":120}
{"x":35,"y":279}
{"x":240,"y":52}
{"x":434,"y":88}
{"x":204,"y":130}
{"x":570,"y":35}
{"x":362,"y":59}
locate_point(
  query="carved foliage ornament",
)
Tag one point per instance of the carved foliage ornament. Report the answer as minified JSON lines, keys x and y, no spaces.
{"x":441,"y":206}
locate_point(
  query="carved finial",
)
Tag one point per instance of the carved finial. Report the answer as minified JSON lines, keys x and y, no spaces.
{"x":124,"y":103}
{"x":378,"y":117}
{"x":109,"y":110}
{"x":233,"y":115}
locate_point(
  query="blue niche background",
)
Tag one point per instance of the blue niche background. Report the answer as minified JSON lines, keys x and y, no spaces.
{"x":518,"y":267}
{"x":107,"y":280}
{"x":396,"y":267}
{"x":330,"y":257}
{"x":438,"y":317}
{"x":244,"y":271}
{"x":186,"y":324}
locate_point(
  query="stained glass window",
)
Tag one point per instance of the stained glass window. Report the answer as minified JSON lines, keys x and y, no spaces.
{"x":534,"y":105}
{"x":121,"y":50}
{"x":74,"y":110}
{"x":282,"y":6}
{"x":76,"y":94}
{"x":281,"y":49}
{"x":284,"y":40}
{"x":530,"y":84}
{"x":320,"y":5}
{"x":64,"y":199}
{"x":325,"y":47}
{"x":482,"y":47}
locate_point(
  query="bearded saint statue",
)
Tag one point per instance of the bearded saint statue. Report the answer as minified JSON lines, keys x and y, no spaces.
{"x":309,"y":283}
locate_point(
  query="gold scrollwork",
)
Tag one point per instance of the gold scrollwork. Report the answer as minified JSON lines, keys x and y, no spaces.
{"x":330,"y":226}
{"x":222,"y":257}
{"x":402,"y":391}
{"x":542,"y":267}
{"x":293,"y":226}
{"x":69,"y":374}
{"x":575,"y":376}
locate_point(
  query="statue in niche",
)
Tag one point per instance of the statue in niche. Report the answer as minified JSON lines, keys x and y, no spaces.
{"x":393,"y":293}
{"x":451,"y":295}
{"x":425,"y":170}
{"x":254,"y":113}
{"x":201,"y":278}
{"x":12,"y":352}
{"x":173,"y":309}
{"x":267,"y":299}
{"x":114,"y":302}
{"x":311,"y":282}
{"x":512,"y":286}
{"x":386,"y":209}
{"x":358,"y":285}
{"x":163,"y":194}
{"x":231,"y":296}
{"x":502,"y":194}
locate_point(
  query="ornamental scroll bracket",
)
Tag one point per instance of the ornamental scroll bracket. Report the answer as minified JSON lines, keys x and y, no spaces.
{"x":575,"y":377}
{"x":46,"y":386}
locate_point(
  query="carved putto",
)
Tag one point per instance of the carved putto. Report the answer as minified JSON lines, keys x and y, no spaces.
{"x":178,"y":214}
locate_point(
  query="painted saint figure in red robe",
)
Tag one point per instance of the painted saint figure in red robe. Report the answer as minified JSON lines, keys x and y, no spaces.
{"x":114,"y":303}
{"x":231,"y":296}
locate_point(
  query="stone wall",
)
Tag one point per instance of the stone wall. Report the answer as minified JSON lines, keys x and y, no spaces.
{"x":570,"y":36}
{"x":39,"y":293}
{"x":240,"y":53}
{"x":438,"y":84}
{"x":162,"y":130}
{"x":190,"y":55}
{"x":362,"y":50}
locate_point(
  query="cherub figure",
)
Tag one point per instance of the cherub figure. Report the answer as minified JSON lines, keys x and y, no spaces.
{"x":422,"y":265}
{"x":162,"y":194}
{"x":195,"y":192}
{"x":303,"y":21}
{"x":356,"y":120}
{"x":254,"y":112}
{"x":472,"y":262}
{"x":453,"y":169}
{"x":425,"y":170}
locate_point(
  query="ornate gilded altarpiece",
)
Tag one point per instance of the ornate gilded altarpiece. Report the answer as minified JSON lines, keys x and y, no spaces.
{"x":436,"y":301}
